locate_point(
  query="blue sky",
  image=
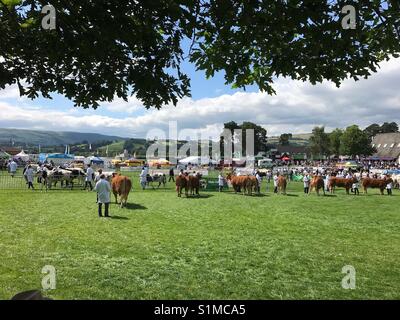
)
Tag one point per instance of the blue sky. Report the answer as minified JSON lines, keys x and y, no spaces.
{"x":201,"y":87}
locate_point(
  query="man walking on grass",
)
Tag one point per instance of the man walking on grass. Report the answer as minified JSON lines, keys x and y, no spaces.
{"x":12,"y":167}
{"x":103,"y":189}
{"x":29,"y":176}
{"x":89,"y":178}
{"x":171,"y":175}
{"x":306,"y":181}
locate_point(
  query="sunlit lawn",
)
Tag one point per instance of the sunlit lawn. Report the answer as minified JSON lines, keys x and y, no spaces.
{"x":218,"y":246}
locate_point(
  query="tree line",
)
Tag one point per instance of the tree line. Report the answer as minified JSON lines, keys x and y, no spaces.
{"x":351,"y":141}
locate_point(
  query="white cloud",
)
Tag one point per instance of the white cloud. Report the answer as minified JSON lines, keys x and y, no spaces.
{"x":119,"y":105}
{"x":297,"y":108}
{"x":10,"y":92}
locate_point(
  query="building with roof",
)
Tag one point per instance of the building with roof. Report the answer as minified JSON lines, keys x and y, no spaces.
{"x":11,"y":150}
{"x":292,"y":152}
{"x":387,"y":146}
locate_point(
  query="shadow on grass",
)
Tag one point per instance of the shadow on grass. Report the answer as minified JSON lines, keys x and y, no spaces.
{"x":329,"y":195}
{"x":258,"y":195}
{"x":118,"y":218}
{"x":290,"y":195}
{"x":135,"y":206}
{"x":201,"y":196}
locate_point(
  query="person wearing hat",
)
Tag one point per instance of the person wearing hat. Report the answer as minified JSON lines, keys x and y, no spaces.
{"x":103,"y":189}
{"x":98,"y":175}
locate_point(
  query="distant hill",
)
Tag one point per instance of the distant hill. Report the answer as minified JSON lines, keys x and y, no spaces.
{"x":301,"y":139}
{"x":51,"y":138}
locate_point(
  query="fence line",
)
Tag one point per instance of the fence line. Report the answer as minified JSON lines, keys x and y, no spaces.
{"x":18,"y":182}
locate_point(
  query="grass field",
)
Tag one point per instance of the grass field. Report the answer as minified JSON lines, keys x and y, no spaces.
{"x":218,"y":246}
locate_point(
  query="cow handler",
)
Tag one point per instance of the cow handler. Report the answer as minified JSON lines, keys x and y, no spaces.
{"x":29,"y":175}
{"x":89,"y":178}
{"x":103,"y":189}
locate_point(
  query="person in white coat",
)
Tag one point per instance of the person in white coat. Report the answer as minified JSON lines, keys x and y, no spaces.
{"x":29,"y":175}
{"x":143,"y":178}
{"x":12,"y":167}
{"x":276,"y":177}
{"x":103,"y":189}
{"x":389,"y":188}
{"x":221,"y":182}
{"x":306,"y":181}
{"x":89,"y":178}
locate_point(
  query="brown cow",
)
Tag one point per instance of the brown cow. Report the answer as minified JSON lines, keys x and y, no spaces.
{"x":251,"y":184}
{"x":282,"y":183}
{"x":317,"y":183}
{"x":121,"y":185}
{"x":181,"y":183}
{"x":341,"y":182}
{"x":375,"y":183}
{"x":193,"y":183}
{"x":242,"y":183}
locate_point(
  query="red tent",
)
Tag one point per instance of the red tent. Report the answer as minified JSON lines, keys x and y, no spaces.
{"x":285,"y":158}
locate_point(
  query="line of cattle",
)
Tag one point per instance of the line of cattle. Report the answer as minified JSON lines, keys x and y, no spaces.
{"x":249,"y":184}
{"x":49,"y":176}
{"x":190,"y":184}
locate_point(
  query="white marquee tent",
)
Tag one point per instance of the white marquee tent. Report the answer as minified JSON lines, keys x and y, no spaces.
{"x":22,"y":155}
{"x":196,"y":160}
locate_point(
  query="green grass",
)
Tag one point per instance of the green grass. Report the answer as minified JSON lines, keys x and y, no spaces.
{"x":219,"y":246}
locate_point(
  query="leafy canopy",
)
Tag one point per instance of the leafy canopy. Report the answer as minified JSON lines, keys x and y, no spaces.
{"x":102,"y":49}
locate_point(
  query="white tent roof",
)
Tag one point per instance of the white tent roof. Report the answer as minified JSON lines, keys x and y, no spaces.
{"x":22,"y":155}
{"x":197,"y":160}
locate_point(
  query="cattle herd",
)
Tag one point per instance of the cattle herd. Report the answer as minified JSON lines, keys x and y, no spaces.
{"x":49,"y":176}
{"x":190,"y":184}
